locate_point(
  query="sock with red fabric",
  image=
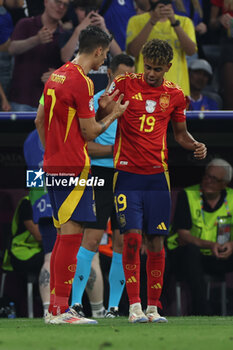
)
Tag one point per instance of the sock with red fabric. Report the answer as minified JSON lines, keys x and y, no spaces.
{"x":64,"y":269}
{"x":155,"y":270}
{"x":52,"y":274}
{"x":131,"y":265}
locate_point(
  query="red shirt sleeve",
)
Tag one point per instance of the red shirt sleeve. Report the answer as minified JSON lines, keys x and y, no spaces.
{"x":85,"y":95}
{"x":179,"y":113}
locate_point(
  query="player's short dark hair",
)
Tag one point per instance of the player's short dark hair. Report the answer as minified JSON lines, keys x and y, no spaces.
{"x":122,"y":58}
{"x":92,"y":37}
{"x":158,"y":51}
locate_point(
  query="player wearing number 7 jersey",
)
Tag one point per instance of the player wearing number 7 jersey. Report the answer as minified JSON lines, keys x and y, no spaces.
{"x":142,"y":183}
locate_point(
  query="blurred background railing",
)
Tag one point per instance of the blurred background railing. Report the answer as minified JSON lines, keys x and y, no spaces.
{"x":214,"y":128}
{"x":190,"y":115}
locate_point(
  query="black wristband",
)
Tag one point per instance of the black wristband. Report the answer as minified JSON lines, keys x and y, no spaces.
{"x":175,"y":24}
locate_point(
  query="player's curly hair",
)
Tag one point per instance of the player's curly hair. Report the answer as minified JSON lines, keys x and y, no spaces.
{"x":158,"y":51}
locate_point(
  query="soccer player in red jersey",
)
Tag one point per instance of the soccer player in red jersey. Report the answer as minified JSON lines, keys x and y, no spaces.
{"x":65,"y":124}
{"x":142,"y":194}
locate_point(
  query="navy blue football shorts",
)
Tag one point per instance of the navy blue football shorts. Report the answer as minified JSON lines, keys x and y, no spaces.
{"x":143,"y":202}
{"x":71,"y":201}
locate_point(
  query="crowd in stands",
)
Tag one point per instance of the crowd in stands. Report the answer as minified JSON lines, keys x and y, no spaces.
{"x":37,"y":37}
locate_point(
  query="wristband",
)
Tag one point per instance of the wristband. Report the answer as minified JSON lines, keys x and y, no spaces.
{"x":175,"y":24}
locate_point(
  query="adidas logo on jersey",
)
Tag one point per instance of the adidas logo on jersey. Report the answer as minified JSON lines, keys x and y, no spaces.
{"x":69,"y":281}
{"x":132,"y":279}
{"x":162,"y":226}
{"x":137,"y":97}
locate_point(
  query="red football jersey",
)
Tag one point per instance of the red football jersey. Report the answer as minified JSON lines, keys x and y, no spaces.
{"x":141,"y":139}
{"x":68,"y":96}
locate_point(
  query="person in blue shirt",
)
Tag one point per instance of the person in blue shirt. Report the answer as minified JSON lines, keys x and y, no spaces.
{"x":116,"y":14}
{"x":6,"y":27}
{"x":195,"y":11}
{"x":200,"y":73}
{"x":101,"y":152}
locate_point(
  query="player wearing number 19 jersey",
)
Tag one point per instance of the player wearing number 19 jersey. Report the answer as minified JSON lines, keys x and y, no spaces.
{"x":141,"y":145}
{"x":142,"y":195}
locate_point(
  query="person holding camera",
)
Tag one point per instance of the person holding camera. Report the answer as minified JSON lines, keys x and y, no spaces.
{"x":161,"y":22}
{"x":87,"y":14}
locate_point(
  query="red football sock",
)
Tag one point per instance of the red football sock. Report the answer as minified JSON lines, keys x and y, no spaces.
{"x":64,"y":269}
{"x":131,"y":265}
{"x":155,"y":270}
{"x":52,"y":274}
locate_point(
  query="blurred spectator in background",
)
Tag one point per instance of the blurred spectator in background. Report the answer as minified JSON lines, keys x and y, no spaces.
{"x":117,"y":13}
{"x":6,"y":28}
{"x":5,"y":106}
{"x":24,"y":254}
{"x":194,"y":10}
{"x":34,"y":44}
{"x":200,"y":74}
{"x":221,"y":17}
{"x":16,"y":9}
{"x":161,"y":22}
{"x":87,"y":14}
{"x":203,"y":239}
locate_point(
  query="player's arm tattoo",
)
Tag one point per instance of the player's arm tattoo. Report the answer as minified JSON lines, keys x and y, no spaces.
{"x":103,"y":126}
{"x":44,"y":278}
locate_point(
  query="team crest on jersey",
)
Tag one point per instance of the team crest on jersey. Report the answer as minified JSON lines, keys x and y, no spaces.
{"x":111,"y":87}
{"x":94,"y":208}
{"x":91,"y":104}
{"x":150,"y":106}
{"x":122,"y":220}
{"x":164,"y":101}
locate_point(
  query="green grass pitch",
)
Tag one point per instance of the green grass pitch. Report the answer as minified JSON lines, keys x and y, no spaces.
{"x":180,"y":333}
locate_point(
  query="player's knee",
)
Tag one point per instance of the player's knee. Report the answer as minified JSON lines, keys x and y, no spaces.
{"x":92,"y":243}
{"x":132,"y":243}
{"x":155,"y":243}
